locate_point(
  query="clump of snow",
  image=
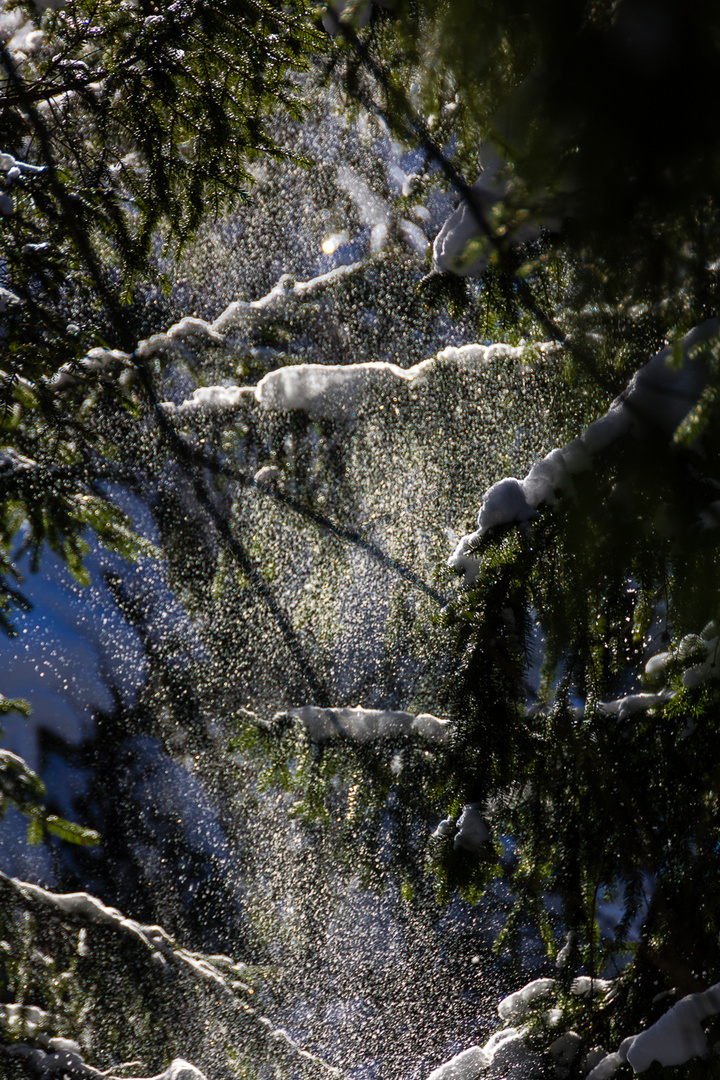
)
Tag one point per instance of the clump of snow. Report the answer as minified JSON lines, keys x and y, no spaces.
{"x":678,"y":1035}
{"x":466,"y":1065}
{"x":414,"y":235}
{"x":212,"y":399}
{"x":565,"y":953}
{"x":627,"y":706}
{"x":93,"y":363}
{"x":585,"y":986}
{"x":333,"y":392}
{"x":592,"y":1058}
{"x":505,"y":1056}
{"x":268,"y":474}
{"x":516,"y":1006}
{"x":565,"y":1049}
{"x":13,"y":167}
{"x":674,"y":1039}
{"x":367,"y":725}
{"x":708,"y":668}
{"x":700,"y":654}
{"x":447,"y":827}
{"x":23,"y":1020}
{"x":464,"y":244}
{"x":475,"y":355}
{"x":472,"y":832}
{"x":8,"y":299}
{"x":63,"y":1059}
{"x":657,"y":665}
{"x":180,"y":1070}
{"x":658,"y":398}
{"x":11,"y":459}
{"x":510,"y":1056}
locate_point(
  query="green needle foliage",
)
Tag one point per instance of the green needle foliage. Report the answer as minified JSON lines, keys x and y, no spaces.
{"x":122,"y":124}
{"x":121,"y":130}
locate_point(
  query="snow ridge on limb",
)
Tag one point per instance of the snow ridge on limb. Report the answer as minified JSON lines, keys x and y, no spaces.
{"x":83,"y":907}
{"x":366,"y":725}
{"x":332,"y":391}
{"x":63,"y":1059}
{"x":219,"y":973}
{"x":657,"y":399}
{"x":283,"y":298}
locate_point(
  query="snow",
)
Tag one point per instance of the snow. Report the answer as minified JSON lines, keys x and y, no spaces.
{"x":337,"y":392}
{"x":446,"y":827}
{"x":472,"y":831}
{"x":657,"y":399}
{"x":94,"y":362}
{"x":268,"y":474}
{"x":584,"y":986}
{"x":566,"y":952}
{"x":84,"y":907}
{"x":414,"y":235}
{"x":505,"y":1056}
{"x":517,"y":1005}
{"x":510,"y":1056}
{"x":11,"y":459}
{"x":678,"y":1035}
{"x":240,"y":315}
{"x":23,"y":1019}
{"x":565,"y":1049}
{"x":325,"y":391}
{"x":13,"y":167}
{"x":368,"y":725}
{"x":464,"y":1066}
{"x":627,"y":706}
{"x":674,"y":1039}
{"x":462,"y":246}
{"x":657,"y":664}
{"x":373,"y":210}
{"x":8,"y":299}
{"x":708,"y":668}
{"x":63,"y":1060}
{"x":703,"y":650}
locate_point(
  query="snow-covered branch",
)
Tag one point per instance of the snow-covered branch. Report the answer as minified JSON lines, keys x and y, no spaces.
{"x":366,"y":725}
{"x":62,"y":1060}
{"x":657,"y":399}
{"x":241,"y":315}
{"x":334,"y":391}
{"x":219,"y":973}
{"x":287,"y":296}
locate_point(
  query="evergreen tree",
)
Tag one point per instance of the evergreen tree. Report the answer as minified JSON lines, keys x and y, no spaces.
{"x":586,"y":787}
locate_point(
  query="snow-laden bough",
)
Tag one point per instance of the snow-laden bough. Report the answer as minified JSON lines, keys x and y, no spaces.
{"x":657,"y":399}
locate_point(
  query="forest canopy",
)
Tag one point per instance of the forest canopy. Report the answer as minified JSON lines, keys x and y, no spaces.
{"x":516,"y":318}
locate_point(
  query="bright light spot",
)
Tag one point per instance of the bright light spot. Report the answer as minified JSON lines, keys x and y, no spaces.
{"x":331,"y":243}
